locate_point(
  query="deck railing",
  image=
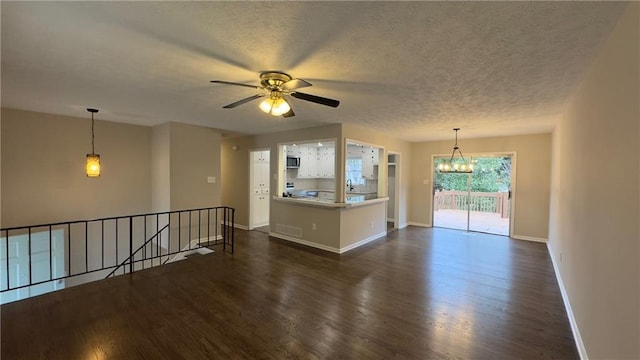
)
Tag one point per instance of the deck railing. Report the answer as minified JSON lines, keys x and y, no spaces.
{"x":496,"y":202}
{"x":41,"y":258}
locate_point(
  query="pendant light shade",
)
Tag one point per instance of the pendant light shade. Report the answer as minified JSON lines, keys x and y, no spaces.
{"x":93,"y":160}
{"x":93,"y":165}
{"x":275,"y":105}
{"x":456,"y":164}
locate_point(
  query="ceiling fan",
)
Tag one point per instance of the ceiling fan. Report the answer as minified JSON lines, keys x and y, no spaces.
{"x":275,"y":86}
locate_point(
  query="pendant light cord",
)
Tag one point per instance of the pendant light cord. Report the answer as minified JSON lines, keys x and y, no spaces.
{"x":93,"y":135}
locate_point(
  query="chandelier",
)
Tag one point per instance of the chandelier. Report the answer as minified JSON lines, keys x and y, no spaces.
{"x":456,"y":164}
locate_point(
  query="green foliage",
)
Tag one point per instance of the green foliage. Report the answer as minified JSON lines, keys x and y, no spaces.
{"x":491,"y":174}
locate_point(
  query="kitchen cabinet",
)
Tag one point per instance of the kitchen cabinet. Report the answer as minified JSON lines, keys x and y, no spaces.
{"x":316,"y":162}
{"x":260,"y":187}
{"x":370,"y":163}
{"x":260,"y":209}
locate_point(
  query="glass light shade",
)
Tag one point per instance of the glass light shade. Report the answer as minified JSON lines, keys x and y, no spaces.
{"x":93,"y":165}
{"x":275,"y":106}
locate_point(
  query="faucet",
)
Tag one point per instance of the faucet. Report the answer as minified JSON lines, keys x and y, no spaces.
{"x":349,"y":185}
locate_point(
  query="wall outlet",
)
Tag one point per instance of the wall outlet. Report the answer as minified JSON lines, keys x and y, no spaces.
{"x":425,"y":181}
{"x":211,"y":179}
{"x":372,"y":224}
{"x":313,"y":226}
{"x":560,"y":256}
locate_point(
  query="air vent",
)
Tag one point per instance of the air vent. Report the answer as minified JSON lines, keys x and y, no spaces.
{"x":289,"y":230}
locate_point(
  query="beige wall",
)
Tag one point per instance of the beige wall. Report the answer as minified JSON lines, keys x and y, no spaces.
{"x":161,"y":168}
{"x":362,"y":223}
{"x":594,"y":232}
{"x":195,"y":156}
{"x":531,"y":191}
{"x":43,"y":178}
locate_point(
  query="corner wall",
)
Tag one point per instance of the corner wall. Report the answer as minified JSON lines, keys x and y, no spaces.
{"x":595,"y":209}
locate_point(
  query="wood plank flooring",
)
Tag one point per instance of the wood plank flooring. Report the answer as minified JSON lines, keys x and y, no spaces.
{"x":416,"y":294}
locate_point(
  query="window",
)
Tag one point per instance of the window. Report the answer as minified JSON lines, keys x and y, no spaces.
{"x":354,"y":171}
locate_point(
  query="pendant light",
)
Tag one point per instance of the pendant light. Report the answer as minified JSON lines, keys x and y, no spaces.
{"x":93,"y":159}
{"x":456,"y":164}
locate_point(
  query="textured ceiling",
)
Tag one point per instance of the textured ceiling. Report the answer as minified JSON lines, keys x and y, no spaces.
{"x":412,"y":69}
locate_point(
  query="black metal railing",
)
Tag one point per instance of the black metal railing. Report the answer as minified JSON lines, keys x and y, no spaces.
{"x":41,"y":258}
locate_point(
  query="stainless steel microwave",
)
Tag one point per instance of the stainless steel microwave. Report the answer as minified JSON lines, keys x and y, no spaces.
{"x":293,"y":162}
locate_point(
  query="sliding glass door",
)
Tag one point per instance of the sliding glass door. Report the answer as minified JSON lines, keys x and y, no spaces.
{"x":479,"y":201}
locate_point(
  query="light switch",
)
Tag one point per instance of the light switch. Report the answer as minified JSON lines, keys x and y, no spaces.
{"x":425,"y":181}
{"x":211,"y":179}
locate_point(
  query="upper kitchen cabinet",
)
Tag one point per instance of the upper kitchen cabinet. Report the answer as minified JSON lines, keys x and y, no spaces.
{"x":315,"y":161}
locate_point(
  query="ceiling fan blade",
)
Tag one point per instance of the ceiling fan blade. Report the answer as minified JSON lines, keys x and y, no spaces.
{"x":237,"y":84}
{"x":295,"y":84}
{"x":245,"y":100}
{"x":316,"y":99}
{"x":289,"y":113}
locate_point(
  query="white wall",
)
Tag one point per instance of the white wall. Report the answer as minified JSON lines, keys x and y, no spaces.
{"x":594,"y":217}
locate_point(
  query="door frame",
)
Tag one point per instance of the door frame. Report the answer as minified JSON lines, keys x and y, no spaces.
{"x":250,"y":188}
{"x":396,"y":200}
{"x":514,"y":162}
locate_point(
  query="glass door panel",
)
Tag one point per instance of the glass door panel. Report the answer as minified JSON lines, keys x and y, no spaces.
{"x":489,"y":200}
{"x":450,"y":194}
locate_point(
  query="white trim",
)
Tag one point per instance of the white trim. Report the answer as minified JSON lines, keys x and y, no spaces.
{"x":363,"y":241}
{"x":305,"y":242}
{"x":403,"y":225}
{"x":237,"y":226}
{"x":529,"y":238}
{"x":418,"y":224}
{"x":391,"y":220}
{"x":582,"y":351}
{"x":241,"y":227}
{"x":329,"y":248}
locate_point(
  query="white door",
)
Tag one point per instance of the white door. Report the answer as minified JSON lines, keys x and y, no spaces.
{"x":259,"y":191}
{"x":45,"y":264}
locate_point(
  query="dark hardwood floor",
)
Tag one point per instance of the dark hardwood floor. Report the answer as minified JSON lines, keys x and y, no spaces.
{"x":416,"y":294}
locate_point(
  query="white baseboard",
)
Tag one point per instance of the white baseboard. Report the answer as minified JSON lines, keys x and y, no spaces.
{"x":582,"y":351}
{"x":241,"y":227}
{"x":391,"y":220}
{"x":362,"y":242}
{"x":328,"y":248}
{"x":529,"y":238}
{"x":403,"y":225}
{"x":237,"y":226}
{"x":418,"y":224}
{"x":305,"y":242}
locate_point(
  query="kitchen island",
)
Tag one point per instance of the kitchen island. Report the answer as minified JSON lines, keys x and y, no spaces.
{"x":327,"y":225}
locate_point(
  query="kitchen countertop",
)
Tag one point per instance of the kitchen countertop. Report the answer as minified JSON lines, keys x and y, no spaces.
{"x":328,"y":203}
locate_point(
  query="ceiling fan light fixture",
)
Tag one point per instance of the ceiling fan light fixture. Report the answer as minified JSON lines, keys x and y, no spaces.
{"x":275,"y":105}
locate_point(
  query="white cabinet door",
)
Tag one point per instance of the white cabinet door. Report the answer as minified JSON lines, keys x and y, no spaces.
{"x":260,"y":209}
{"x":308,"y":162}
{"x":260,"y":187}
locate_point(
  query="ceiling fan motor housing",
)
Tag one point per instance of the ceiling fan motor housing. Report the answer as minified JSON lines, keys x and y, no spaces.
{"x":273,"y":80}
